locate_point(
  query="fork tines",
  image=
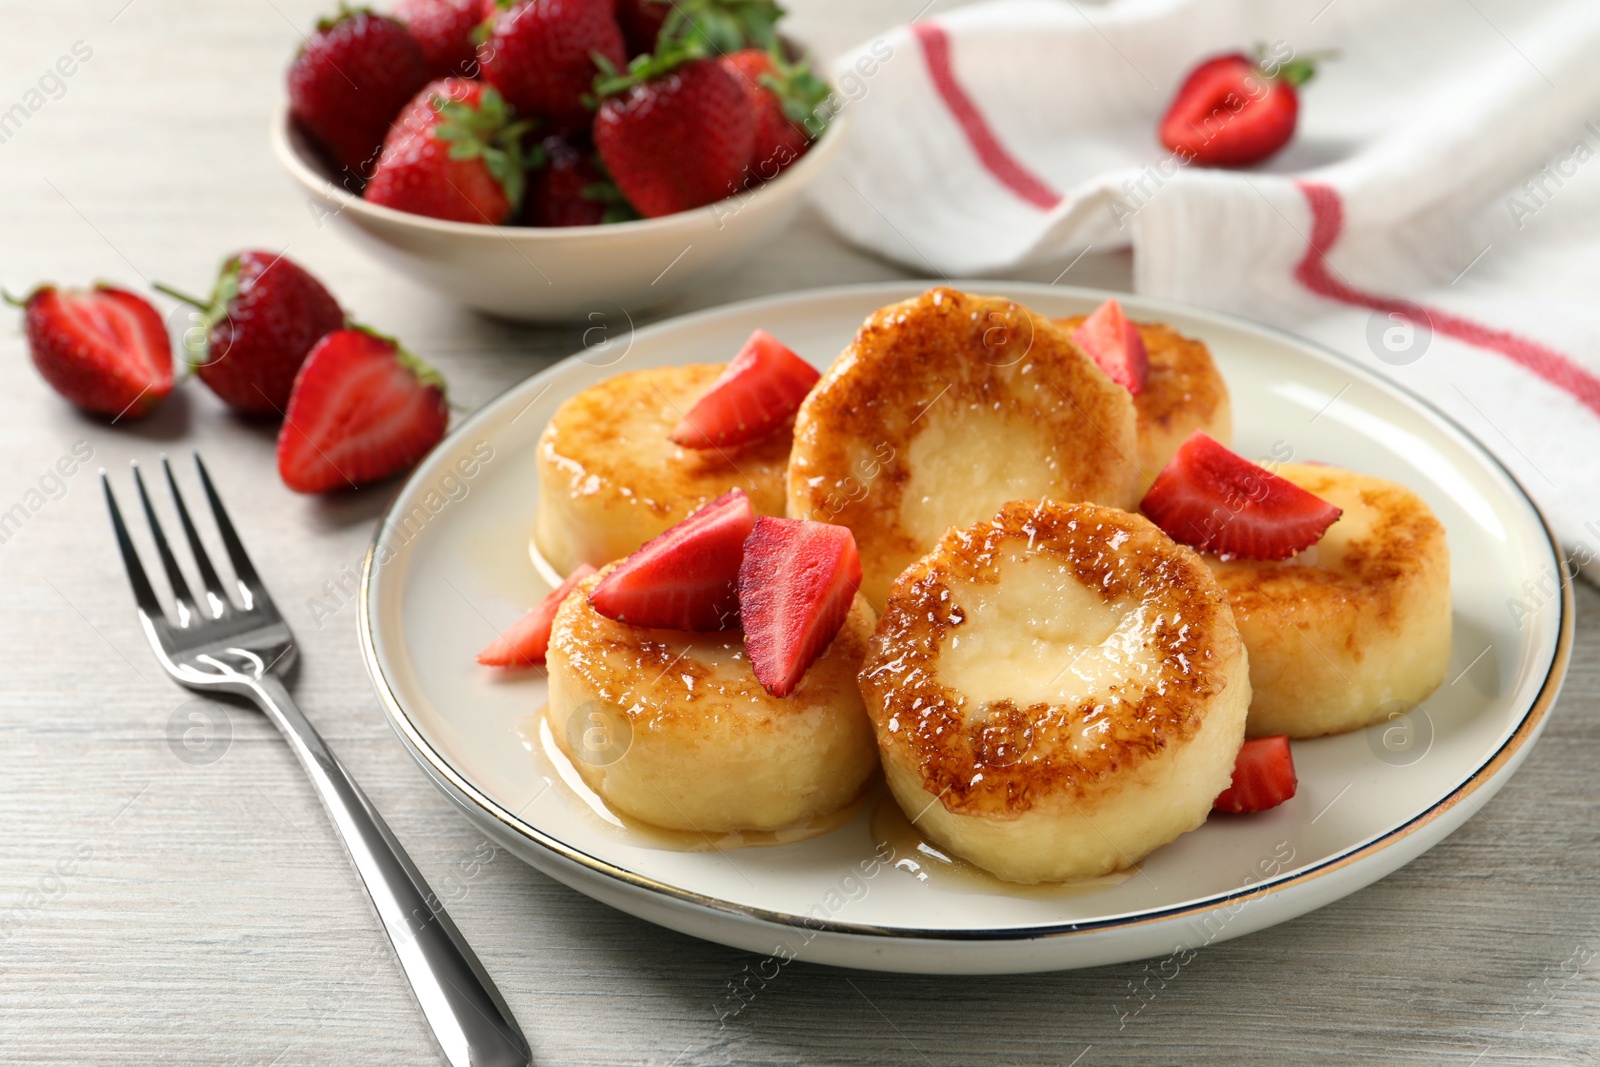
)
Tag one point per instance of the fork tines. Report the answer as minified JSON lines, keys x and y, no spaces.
{"x":252,"y":594}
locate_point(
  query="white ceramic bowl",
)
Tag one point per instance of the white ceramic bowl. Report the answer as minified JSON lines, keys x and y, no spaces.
{"x":559,"y":273}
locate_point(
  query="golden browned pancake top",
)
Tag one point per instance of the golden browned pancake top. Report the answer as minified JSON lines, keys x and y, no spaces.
{"x":650,"y":677}
{"x":1006,"y":759}
{"x":955,"y":360}
{"x":618,"y":432}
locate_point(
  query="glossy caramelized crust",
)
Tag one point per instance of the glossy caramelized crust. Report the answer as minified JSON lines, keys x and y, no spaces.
{"x":942,"y":408}
{"x":1184,"y":393}
{"x":610,"y":477}
{"x":707,"y":748}
{"x":1057,"y":691}
{"x":1353,"y":628}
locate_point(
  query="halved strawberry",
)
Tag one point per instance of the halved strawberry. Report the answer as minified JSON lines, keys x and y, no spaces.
{"x":527,"y":640}
{"x":686,"y":578}
{"x":363,"y":408}
{"x":1218,"y":501}
{"x":104,"y":349}
{"x":1115,"y":344}
{"x":1263,"y":776}
{"x":761,"y":388}
{"x":795,"y":589}
{"x":1230,"y":112}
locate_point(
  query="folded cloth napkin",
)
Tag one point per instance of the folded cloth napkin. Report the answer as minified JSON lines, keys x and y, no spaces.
{"x":1437,"y":215}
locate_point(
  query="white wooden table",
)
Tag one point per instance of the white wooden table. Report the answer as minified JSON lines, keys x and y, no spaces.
{"x":161,"y":910}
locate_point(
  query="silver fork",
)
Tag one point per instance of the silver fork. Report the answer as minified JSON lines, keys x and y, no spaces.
{"x":241,"y":648}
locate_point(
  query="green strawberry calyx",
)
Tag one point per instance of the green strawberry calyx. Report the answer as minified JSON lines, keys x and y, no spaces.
{"x":197,"y":340}
{"x":1295,"y":71}
{"x":485,"y":29}
{"x":346,"y":11}
{"x":799,"y":90}
{"x":694,"y":29}
{"x":28,"y":298}
{"x":491,"y":132}
{"x":717,"y":27}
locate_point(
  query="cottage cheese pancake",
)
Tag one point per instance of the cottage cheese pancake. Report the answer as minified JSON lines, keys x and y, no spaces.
{"x":1057,"y":691}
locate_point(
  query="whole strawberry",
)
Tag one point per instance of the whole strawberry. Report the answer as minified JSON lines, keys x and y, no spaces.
{"x":707,"y":27}
{"x":346,"y":84}
{"x":104,"y":349}
{"x":572,"y":190}
{"x":641,"y":21}
{"x":675,"y":140}
{"x":541,"y":55}
{"x":781,"y":96}
{"x":363,"y":408}
{"x":455,"y":153}
{"x":264,"y":314}
{"x":1230,"y":112}
{"x":444,"y":29}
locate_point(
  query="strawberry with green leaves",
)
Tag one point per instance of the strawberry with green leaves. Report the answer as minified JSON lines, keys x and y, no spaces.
{"x":782,"y":96}
{"x":572,"y":189}
{"x":454,"y":153}
{"x":354,"y":73}
{"x":541,"y":54}
{"x":718,"y":27}
{"x":675,"y":133}
{"x":1235,"y":110}
{"x":264,"y":314}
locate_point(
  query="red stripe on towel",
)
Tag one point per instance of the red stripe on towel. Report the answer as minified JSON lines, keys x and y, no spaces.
{"x":996,"y":159}
{"x":1327,"y":223}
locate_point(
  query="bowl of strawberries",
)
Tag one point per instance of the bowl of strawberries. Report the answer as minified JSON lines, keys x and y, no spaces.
{"x":542,"y":159}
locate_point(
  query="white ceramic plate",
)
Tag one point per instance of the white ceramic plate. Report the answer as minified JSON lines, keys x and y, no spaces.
{"x":560,"y":273}
{"x":450,"y":566}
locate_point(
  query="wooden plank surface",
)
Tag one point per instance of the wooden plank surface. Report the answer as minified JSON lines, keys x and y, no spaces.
{"x":158,"y":910}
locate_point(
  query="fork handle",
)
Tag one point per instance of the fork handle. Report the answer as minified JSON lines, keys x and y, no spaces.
{"x":472,"y":1023}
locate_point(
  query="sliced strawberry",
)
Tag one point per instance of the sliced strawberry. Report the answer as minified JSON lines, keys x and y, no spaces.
{"x":1263,"y":776}
{"x":527,"y":640}
{"x":363,"y":408}
{"x":1229,"y":112}
{"x":104,"y":349}
{"x":1218,"y":501}
{"x":686,"y":578}
{"x":795,"y":589}
{"x":761,"y":388}
{"x":1115,"y":344}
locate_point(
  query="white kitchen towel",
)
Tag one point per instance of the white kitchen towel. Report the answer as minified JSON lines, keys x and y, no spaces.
{"x":1437,"y":215}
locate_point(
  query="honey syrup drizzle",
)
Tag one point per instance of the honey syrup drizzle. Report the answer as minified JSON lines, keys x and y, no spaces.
{"x":537,"y":737}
